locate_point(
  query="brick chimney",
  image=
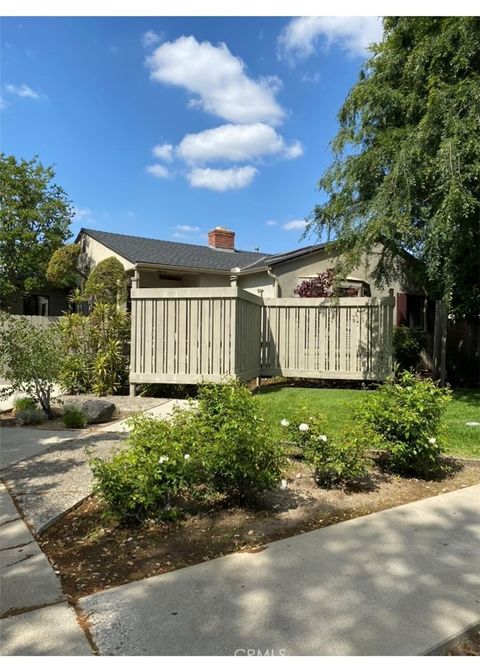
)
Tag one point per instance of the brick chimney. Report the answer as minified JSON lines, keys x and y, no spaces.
{"x":221,"y":238}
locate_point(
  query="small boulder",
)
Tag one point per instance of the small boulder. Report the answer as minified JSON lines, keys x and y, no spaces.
{"x":98,"y":411}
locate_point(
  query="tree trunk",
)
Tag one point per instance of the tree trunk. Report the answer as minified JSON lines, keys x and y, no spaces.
{"x":440,"y":342}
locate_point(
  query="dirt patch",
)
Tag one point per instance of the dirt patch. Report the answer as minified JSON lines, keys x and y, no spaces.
{"x":91,"y":552}
{"x":469,"y":646}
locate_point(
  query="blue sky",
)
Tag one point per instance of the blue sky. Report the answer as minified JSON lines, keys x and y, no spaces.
{"x":167,"y":127}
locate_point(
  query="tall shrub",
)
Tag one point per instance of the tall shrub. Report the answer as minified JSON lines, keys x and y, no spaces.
{"x":95,"y":350}
{"x":30,"y":359}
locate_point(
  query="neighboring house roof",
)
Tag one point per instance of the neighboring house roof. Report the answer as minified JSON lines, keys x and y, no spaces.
{"x":175,"y":254}
{"x":272,"y":259}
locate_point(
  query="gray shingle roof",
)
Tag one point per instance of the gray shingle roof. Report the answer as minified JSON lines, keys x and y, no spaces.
{"x":180,"y":254}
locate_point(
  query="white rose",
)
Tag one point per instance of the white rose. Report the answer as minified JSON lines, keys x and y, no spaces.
{"x":285,"y":423}
{"x":163,"y":459}
{"x":322,"y":438}
{"x":303,"y":427}
{"x":186,"y":457}
{"x":432,"y":441}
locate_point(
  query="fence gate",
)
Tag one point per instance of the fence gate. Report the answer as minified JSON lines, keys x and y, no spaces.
{"x":192,"y":335}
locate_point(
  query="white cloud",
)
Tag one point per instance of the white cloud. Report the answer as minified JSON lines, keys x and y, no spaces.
{"x":22,"y":90}
{"x":81,"y":213}
{"x":185,"y":228}
{"x":164,"y":152}
{"x":300,"y":37}
{"x":218,"y":80}
{"x":150,"y":38}
{"x":180,"y":236}
{"x":236,"y":143}
{"x":311,"y":78}
{"x":158,"y":171}
{"x":3,"y":103}
{"x":295,"y":225}
{"x":222,"y":179}
{"x":270,"y":222}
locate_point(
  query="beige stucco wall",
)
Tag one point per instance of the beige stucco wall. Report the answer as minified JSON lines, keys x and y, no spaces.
{"x":94,"y":252}
{"x":254,"y":282}
{"x":291,"y":273}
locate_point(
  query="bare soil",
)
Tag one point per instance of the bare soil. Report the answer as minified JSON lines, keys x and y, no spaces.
{"x":92,"y":552}
{"x":468,"y":647}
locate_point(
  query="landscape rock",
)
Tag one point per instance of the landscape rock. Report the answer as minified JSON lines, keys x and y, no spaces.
{"x":98,"y":411}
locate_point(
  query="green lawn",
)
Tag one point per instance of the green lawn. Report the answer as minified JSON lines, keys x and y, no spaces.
{"x":337,"y":405}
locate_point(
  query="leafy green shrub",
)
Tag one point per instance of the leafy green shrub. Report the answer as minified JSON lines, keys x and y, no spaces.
{"x":333,"y":460}
{"x":29,"y":416}
{"x":407,"y":346}
{"x":95,"y":350}
{"x":143,"y":479}
{"x":337,"y":460}
{"x":238,"y":452}
{"x":24,"y":403}
{"x":74,"y":418}
{"x":403,"y":417}
{"x":30,"y":359}
{"x":107,"y":282}
{"x":299,"y":428}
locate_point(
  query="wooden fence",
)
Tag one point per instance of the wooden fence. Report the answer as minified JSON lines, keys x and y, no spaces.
{"x":204,"y":334}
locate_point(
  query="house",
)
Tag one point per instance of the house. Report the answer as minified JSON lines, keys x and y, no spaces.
{"x":152,"y":263}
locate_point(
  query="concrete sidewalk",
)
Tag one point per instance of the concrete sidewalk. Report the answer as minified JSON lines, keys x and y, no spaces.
{"x":35,"y":618}
{"x":398,"y":582}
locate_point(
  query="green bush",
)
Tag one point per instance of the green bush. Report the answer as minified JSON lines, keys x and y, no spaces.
{"x":219,"y":444}
{"x":107,"y":282}
{"x":74,"y":418}
{"x":30,"y":359}
{"x":30,"y":416}
{"x":24,"y":403}
{"x":407,"y":346}
{"x":333,"y":460}
{"x":143,"y":479}
{"x":239,"y":454}
{"x":337,"y":460}
{"x":95,"y":350}
{"x":403,"y":417}
{"x":299,"y":428}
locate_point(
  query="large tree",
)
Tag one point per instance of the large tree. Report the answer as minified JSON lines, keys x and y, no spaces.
{"x":406,"y":159}
{"x":35,"y":216}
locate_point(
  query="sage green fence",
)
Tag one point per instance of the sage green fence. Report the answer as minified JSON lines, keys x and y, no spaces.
{"x":347,"y":338}
{"x":190,"y":335}
{"x":204,"y":334}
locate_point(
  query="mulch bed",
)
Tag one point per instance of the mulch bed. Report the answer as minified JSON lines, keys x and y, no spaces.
{"x":92,"y":552}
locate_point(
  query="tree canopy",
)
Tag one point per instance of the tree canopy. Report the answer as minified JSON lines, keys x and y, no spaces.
{"x":63,"y":270}
{"x":35,"y":216}
{"x":406,"y":159}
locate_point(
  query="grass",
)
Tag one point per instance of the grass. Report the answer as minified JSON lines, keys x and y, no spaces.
{"x":338,"y":404}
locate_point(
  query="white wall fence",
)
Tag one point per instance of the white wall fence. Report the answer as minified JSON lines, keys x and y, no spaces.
{"x":204,"y":334}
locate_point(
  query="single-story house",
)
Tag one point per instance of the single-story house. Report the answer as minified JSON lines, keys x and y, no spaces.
{"x":152,"y":263}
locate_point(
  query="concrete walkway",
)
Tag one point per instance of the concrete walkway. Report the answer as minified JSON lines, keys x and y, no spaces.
{"x":398,"y":582}
{"x":35,"y":618}
{"x":47,"y":471}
